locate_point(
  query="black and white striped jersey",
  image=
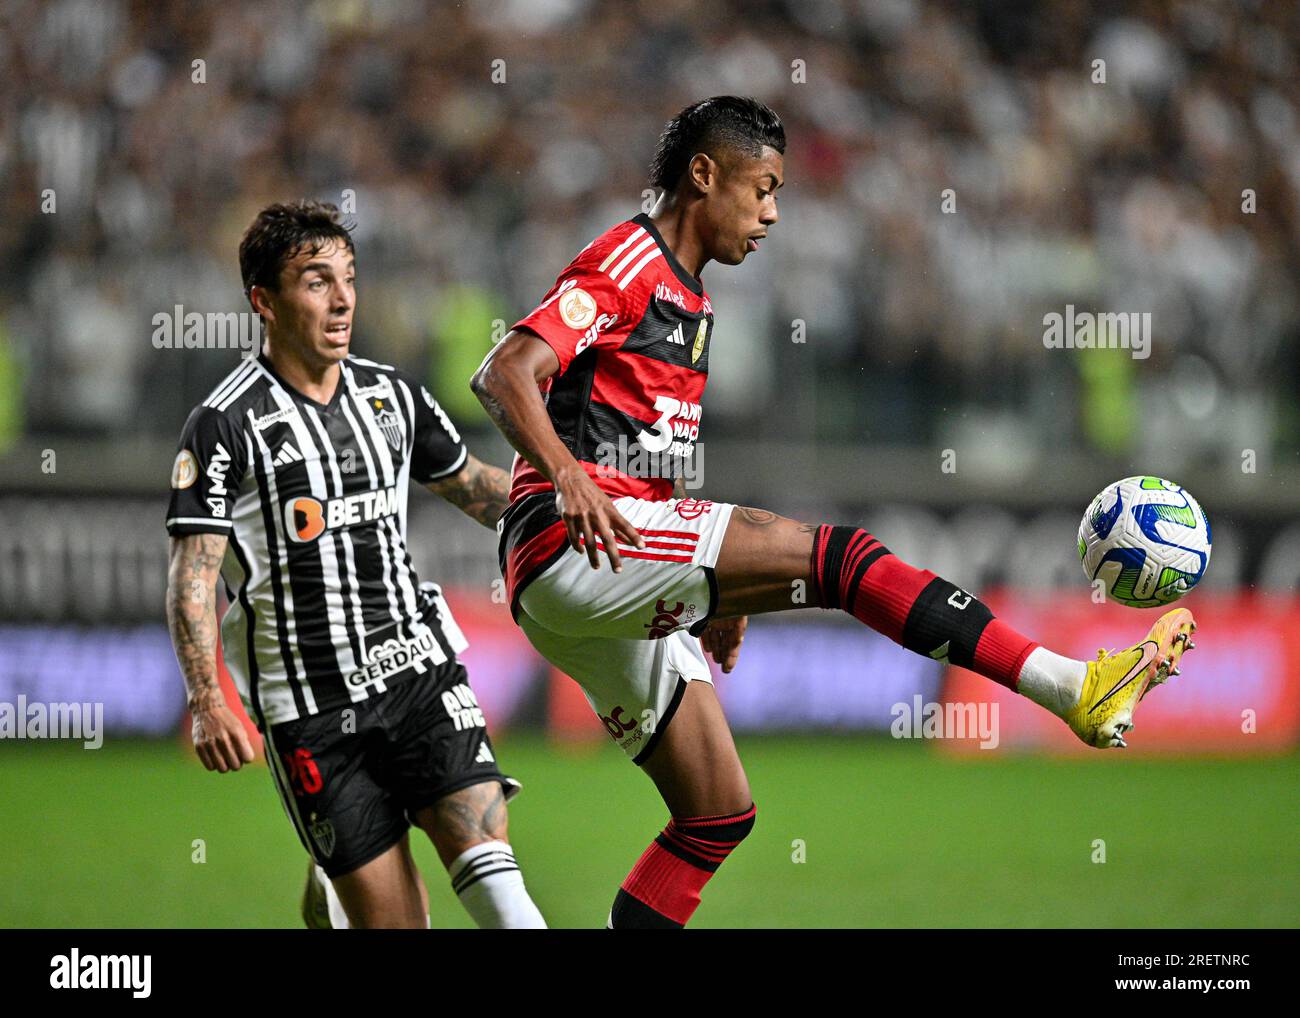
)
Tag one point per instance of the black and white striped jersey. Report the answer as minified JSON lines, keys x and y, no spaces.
{"x":325,"y":607}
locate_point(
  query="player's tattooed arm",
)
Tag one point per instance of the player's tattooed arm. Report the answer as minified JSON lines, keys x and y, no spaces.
{"x":479,"y":490}
{"x":192,"y":612}
{"x":679,"y":487}
{"x":191,"y":605}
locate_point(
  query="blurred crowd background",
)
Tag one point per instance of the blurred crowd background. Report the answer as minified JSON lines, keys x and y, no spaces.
{"x":482,"y":144}
{"x":955,"y":171}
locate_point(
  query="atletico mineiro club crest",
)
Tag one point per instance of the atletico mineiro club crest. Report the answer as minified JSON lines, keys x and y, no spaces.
{"x":388,"y":424}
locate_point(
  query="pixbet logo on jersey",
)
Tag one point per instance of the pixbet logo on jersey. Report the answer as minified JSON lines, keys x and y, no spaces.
{"x":306,"y":518}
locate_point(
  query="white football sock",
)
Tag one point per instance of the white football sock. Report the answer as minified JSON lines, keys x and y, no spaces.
{"x":489,"y":884}
{"x":1052,"y":681}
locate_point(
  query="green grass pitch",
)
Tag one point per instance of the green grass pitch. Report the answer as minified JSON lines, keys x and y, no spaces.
{"x":892,"y":835}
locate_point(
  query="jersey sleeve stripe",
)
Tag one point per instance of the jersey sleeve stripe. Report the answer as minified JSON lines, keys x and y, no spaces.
{"x":632,"y":237}
{"x":371,"y":364}
{"x":228,"y":383}
{"x":637,"y":268}
{"x":628,"y":258}
{"x":239,"y":391}
{"x":454,"y":468}
{"x":199,"y":520}
{"x":409,"y":400}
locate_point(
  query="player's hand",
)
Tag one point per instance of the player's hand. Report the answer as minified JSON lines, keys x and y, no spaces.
{"x":220,"y":739}
{"x":589,"y":514}
{"x":721,"y":639}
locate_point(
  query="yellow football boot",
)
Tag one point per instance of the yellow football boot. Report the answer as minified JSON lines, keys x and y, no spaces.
{"x":1116,"y":682}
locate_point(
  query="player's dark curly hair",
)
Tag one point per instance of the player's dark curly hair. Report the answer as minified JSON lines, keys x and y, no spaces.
{"x":709,"y":126}
{"x":279,"y":231}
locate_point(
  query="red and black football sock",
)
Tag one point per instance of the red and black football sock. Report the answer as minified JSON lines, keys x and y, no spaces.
{"x":663,"y":889}
{"x":913,"y":607}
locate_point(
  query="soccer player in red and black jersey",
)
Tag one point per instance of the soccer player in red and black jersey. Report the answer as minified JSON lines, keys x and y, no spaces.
{"x":599,"y":390}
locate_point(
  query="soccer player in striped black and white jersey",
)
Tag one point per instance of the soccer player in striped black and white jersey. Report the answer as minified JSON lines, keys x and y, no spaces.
{"x":291,"y":485}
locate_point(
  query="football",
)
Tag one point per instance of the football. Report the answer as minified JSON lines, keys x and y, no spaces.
{"x":1146,"y":539}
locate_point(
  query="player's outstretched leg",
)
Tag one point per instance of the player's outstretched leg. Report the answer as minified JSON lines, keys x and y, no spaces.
{"x":765,"y":557}
{"x":697,"y":771}
{"x":468,"y":828}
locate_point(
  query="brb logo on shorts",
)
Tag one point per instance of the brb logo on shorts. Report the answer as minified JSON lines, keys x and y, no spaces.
{"x":668,"y":618}
{"x":306,"y":518}
{"x":617,"y":724}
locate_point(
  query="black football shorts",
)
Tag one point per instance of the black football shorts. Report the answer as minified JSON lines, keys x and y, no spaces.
{"x":352,"y":784}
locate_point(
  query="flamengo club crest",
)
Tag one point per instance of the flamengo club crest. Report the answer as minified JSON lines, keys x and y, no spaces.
{"x":388,"y":423}
{"x":700,"y":335}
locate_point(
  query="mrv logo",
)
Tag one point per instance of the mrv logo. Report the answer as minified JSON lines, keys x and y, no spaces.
{"x":218,"y":467}
{"x":306,"y":518}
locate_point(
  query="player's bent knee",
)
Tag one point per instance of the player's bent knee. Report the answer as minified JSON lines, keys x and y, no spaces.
{"x":663,"y":890}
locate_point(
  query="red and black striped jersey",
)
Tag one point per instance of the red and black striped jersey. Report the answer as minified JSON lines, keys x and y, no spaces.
{"x":631,"y":329}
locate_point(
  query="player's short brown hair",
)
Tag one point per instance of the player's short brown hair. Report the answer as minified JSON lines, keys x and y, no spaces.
{"x":711,"y":125}
{"x":280,"y":231}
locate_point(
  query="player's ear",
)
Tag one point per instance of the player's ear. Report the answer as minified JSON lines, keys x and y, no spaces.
{"x":258,"y":298}
{"x":702,"y":171}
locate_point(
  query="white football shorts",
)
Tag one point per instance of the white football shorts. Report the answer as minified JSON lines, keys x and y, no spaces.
{"x":626,"y":638}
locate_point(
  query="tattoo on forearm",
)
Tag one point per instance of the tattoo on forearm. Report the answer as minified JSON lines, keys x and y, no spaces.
{"x":480,"y":491}
{"x":192,"y":614}
{"x":679,"y":488}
